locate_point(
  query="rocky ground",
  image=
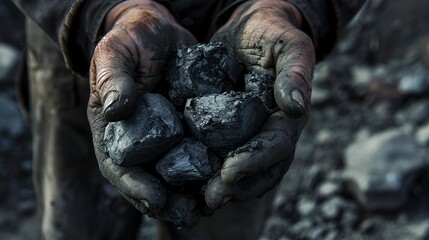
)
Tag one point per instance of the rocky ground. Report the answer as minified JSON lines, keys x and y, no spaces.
{"x":361,"y":167}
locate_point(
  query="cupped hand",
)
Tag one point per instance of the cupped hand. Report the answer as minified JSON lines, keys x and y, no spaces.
{"x":140,"y":37}
{"x":266,"y":36}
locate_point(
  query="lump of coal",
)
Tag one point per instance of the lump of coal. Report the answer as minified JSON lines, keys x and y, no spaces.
{"x":187,"y":163}
{"x":200,"y":70}
{"x":152,"y":130}
{"x":262,"y":86}
{"x":225,"y":121}
{"x":182,"y":210}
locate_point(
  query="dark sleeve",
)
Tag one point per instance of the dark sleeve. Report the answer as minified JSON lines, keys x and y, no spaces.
{"x":325,"y":19}
{"x":72,"y":24}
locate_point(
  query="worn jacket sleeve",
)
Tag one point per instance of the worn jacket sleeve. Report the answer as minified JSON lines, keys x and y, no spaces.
{"x":72,"y":24}
{"x":325,"y":20}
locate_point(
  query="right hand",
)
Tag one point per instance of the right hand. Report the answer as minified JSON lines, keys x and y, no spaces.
{"x":140,"y":37}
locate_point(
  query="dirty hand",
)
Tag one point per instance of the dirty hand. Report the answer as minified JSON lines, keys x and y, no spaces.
{"x":140,"y":36}
{"x":265,"y":35}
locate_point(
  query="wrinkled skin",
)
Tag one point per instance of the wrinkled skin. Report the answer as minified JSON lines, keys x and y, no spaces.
{"x":265,"y":35}
{"x":140,"y":37}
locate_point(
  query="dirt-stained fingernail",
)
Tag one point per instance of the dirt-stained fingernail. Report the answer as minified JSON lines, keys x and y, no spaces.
{"x":145,"y":203}
{"x":297,"y":97}
{"x":111,"y":98}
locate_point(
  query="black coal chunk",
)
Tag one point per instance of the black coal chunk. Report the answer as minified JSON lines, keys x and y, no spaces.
{"x":188,"y":163}
{"x":225,"y":121}
{"x":262,"y":86}
{"x":151,"y":131}
{"x":200,"y":70}
{"x":181,"y":210}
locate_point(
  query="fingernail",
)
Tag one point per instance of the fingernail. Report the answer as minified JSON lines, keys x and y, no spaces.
{"x":145,"y":203}
{"x":145,"y":207}
{"x":297,"y":97}
{"x":109,"y":100}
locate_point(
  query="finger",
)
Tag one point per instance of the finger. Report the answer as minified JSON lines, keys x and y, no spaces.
{"x":135,"y":184}
{"x":277,"y":140}
{"x":295,"y":63}
{"x":111,"y":77}
{"x":181,"y":210}
{"x":218,"y":193}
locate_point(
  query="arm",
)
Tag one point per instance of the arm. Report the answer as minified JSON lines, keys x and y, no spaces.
{"x":72,"y":24}
{"x":325,"y":19}
{"x":280,"y":38}
{"x":137,"y":38}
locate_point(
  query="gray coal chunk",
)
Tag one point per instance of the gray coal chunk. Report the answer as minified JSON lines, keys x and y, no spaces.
{"x":181,"y":210}
{"x":225,"y":121}
{"x":151,"y":131}
{"x":200,"y":70}
{"x":262,"y":85}
{"x":189,"y":162}
{"x":382,"y":168}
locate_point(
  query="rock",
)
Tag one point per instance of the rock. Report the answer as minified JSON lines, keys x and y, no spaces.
{"x":11,"y":121}
{"x":224,"y":122}
{"x":368,"y":226}
{"x":328,"y":189}
{"x":349,"y":219}
{"x":422,"y":135}
{"x":305,"y":207}
{"x":262,"y":86}
{"x":275,"y":228}
{"x":324,"y":136}
{"x":151,"y":131}
{"x":319,"y":96}
{"x":189,"y":162}
{"x":418,"y":112}
{"x":280,"y":201}
{"x":412,"y":84}
{"x":8,"y":62}
{"x":181,"y":210}
{"x":322,"y":73}
{"x":362,"y":76}
{"x":331,"y":235}
{"x":302,"y":226}
{"x":418,"y":230}
{"x":316,"y":233}
{"x":201,"y":70}
{"x":313,"y":177}
{"x":382,"y":168}
{"x":332,"y":208}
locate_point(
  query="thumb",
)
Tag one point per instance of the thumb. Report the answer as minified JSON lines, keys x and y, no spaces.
{"x":295,"y":65}
{"x":111,"y":77}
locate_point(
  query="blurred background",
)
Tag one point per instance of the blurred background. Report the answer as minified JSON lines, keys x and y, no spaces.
{"x":361,"y":166}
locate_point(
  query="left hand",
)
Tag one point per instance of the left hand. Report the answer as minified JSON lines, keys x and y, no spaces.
{"x":265,"y":35}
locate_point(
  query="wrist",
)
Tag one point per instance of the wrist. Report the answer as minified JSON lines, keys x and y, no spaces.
{"x":136,"y":10}
{"x":278,"y":8}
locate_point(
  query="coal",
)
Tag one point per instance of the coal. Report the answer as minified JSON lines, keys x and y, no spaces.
{"x":225,"y":121}
{"x":200,"y":70}
{"x":152,"y":130}
{"x":181,"y":210}
{"x":262,"y":86}
{"x":190,"y":162}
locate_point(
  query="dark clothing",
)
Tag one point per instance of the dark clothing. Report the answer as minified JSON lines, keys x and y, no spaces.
{"x":74,"y":25}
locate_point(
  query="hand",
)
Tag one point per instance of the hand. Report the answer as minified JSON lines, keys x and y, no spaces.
{"x":141,"y":36}
{"x":265,"y":35}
